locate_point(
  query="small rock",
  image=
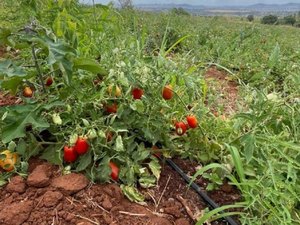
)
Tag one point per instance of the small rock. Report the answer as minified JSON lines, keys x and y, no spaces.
{"x":70,"y":183}
{"x":114,"y":191}
{"x":182,"y":221}
{"x":51,"y":198}
{"x":16,"y":184}
{"x":69,"y":217}
{"x":174,"y":211}
{"x":16,"y":213}
{"x":40,"y":176}
{"x":107,"y":203}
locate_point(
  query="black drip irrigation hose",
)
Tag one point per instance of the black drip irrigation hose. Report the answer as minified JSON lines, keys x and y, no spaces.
{"x":203,"y":195}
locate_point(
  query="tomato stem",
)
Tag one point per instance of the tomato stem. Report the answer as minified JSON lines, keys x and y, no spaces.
{"x":38,"y":68}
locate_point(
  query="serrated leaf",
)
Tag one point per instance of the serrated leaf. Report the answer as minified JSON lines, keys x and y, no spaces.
{"x":147,"y":181}
{"x":89,"y":65}
{"x":84,"y":161}
{"x":138,"y":106}
{"x":8,"y":68}
{"x":53,"y":154}
{"x":119,"y":147}
{"x":132,"y":193}
{"x":155,"y":168}
{"x":102,"y":172}
{"x":21,"y":147}
{"x":18,"y":118}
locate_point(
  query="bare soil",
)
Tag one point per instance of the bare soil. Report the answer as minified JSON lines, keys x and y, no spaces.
{"x":226,"y":90}
{"x":48,"y":197}
{"x":8,"y":99}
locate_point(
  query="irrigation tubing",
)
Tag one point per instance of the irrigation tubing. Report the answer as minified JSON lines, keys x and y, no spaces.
{"x":203,"y":195}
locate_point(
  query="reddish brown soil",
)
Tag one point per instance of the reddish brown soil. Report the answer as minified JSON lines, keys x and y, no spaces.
{"x":47,"y":197}
{"x":226,"y":90}
{"x":8,"y":99}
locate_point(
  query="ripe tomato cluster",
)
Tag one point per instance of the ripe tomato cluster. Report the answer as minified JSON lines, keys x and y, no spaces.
{"x":80,"y":148}
{"x":181,"y":127}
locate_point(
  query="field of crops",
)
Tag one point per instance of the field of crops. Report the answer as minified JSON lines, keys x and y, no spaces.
{"x":98,"y":90}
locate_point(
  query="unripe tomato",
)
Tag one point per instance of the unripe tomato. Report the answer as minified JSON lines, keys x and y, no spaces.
{"x":49,"y":81}
{"x":8,"y":160}
{"x":114,"y":171}
{"x":192,"y":121}
{"x":27,"y":92}
{"x":137,"y":93}
{"x":167,"y":92}
{"x":70,"y":154}
{"x":180,"y":128}
{"x":114,"y":90}
{"x":111,"y":108}
{"x":81,"y":146}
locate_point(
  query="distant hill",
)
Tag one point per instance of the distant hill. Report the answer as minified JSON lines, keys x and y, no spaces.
{"x":257,"y":9}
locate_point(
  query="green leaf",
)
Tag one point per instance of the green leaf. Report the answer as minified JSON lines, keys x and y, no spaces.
{"x":147,"y":181}
{"x":214,"y":212}
{"x":11,"y":146}
{"x":237,"y":162}
{"x":84,"y":161}
{"x":4,"y":34}
{"x":89,"y":65}
{"x":11,"y":84}
{"x":249,"y":142}
{"x":132,"y":193}
{"x":274,"y":57}
{"x":119,"y":144}
{"x":8,"y":68}
{"x":138,"y":106}
{"x":53,"y":154}
{"x":18,"y":118}
{"x":155,"y":168}
{"x":102,"y":172}
{"x":140,"y":155}
{"x":21,"y":147}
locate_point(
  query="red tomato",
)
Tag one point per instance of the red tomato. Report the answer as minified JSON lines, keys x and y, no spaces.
{"x":137,"y":93}
{"x":49,"y":81}
{"x":70,"y":154}
{"x":114,"y":171}
{"x":180,"y":128}
{"x":167,"y":92}
{"x":111,"y":108}
{"x":81,"y":146}
{"x":27,"y":92}
{"x":192,"y":121}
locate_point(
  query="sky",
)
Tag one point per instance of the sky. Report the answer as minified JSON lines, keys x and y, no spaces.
{"x":204,"y":2}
